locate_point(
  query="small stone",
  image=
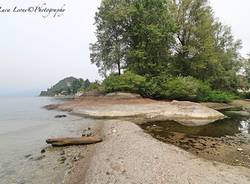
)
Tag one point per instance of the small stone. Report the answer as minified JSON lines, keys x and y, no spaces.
{"x":43,"y":151}
{"x":38,"y":158}
{"x":239,"y":149}
{"x":62,"y":160}
{"x":61,"y":116}
{"x":114,"y":131}
{"x":76,"y":159}
{"x":87,"y":132}
{"x":107,"y":173}
{"x":27,"y":156}
{"x":62,"y":153}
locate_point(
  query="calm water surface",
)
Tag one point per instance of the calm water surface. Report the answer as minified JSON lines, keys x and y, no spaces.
{"x":234,"y":124}
{"x":24,"y":127}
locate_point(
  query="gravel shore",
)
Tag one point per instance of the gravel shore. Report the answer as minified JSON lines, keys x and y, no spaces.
{"x":128,"y":155}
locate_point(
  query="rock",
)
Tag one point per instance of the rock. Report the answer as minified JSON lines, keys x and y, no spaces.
{"x":122,"y":95}
{"x":239,"y":149}
{"x":87,"y":132}
{"x":43,"y":151}
{"x":27,"y":156}
{"x":61,"y":116}
{"x":62,"y":159}
{"x":38,"y":158}
{"x":76,"y":159}
{"x":51,"y":106}
{"x":186,"y":113}
{"x":62,"y":153}
{"x":92,"y":93}
{"x":240,"y":113}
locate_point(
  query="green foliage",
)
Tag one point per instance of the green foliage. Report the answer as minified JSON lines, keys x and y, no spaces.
{"x":246,"y":68}
{"x":133,"y":34}
{"x":206,"y":49}
{"x":220,"y":96}
{"x":173,"y":50}
{"x":76,"y":85}
{"x":67,"y":86}
{"x":127,"y":82}
{"x":165,"y":87}
{"x":94,"y":86}
{"x":185,"y":88}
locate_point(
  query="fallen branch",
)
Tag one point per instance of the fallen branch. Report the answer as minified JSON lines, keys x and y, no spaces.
{"x":67,"y":141}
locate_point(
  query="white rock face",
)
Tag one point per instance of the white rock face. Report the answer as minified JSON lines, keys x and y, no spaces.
{"x":187,"y":113}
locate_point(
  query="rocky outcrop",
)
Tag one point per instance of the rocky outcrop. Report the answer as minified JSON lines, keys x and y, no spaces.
{"x":123,"y":95}
{"x":187,"y":113}
{"x":244,"y":104}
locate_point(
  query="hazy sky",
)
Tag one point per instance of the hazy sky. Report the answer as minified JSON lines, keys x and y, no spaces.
{"x":36,"y":52}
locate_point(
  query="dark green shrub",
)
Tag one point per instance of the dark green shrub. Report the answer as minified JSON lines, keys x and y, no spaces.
{"x":127,"y":82}
{"x":164,"y":87}
{"x":153,"y":87}
{"x":220,"y":96}
{"x":246,"y":95}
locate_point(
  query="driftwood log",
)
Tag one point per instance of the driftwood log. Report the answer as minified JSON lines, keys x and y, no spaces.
{"x":68,"y":141}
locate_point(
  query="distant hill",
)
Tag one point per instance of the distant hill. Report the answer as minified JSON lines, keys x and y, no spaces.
{"x":67,"y":86}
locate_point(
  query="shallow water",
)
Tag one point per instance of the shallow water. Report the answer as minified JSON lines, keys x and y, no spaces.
{"x":226,"y":140}
{"x":24,"y":127}
{"x":230,"y":126}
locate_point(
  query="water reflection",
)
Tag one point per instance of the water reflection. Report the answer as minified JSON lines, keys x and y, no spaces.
{"x":245,"y":128}
{"x":235,"y":124}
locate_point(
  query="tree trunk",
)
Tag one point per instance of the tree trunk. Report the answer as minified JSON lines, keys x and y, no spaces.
{"x":119,"y":68}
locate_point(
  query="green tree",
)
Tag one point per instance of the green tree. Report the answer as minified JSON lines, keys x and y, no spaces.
{"x":204,"y":49}
{"x":109,"y":50}
{"x":150,"y":37}
{"x":170,"y":38}
{"x":76,"y":85}
{"x":246,"y":68}
{"x":86,"y":84}
{"x":134,"y":34}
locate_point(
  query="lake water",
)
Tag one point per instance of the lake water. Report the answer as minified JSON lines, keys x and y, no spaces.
{"x":24,"y":127}
{"x":226,"y":140}
{"x":234,"y":124}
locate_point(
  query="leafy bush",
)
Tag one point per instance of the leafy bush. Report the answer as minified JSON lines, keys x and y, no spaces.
{"x":220,"y":96}
{"x":94,"y":86}
{"x":127,"y":82}
{"x":185,"y":88}
{"x":165,"y":87}
{"x":245,"y":95}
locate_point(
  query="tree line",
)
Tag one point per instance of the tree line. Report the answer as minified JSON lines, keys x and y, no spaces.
{"x":166,"y":39}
